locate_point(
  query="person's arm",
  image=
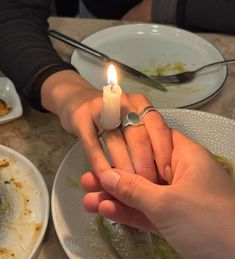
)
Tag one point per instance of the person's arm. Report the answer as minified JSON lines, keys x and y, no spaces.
{"x":27,"y":56}
{"x":210,"y":15}
{"x":140,"y":12}
{"x":29,"y":60}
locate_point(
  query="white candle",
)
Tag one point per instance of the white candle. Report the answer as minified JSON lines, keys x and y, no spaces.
{"x":112,"y":92}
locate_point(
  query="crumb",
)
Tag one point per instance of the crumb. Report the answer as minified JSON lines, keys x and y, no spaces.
{"x":4,"y":163}
{"x":4,"y":109}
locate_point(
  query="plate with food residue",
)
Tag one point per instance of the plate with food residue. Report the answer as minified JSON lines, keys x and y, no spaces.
{"x":154,"y":50}
{"x":24,"y":206}
{"x":10,"y":104}
{"x":85,"y":235}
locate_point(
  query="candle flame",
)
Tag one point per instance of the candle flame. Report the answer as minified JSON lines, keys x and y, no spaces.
{"x":112,"y":75}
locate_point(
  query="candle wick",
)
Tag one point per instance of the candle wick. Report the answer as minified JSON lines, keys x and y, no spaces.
{"x":111,"y":85}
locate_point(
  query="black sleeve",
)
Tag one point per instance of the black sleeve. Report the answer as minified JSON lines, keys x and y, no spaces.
{"x":209,"y":15}
{"x":26,"y":53}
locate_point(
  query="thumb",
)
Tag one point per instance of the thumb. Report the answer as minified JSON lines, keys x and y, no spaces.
{"x":133,"y":190}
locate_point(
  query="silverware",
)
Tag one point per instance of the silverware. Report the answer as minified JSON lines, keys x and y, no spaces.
{"x":188,"y":75}
{"x":139,"y":75}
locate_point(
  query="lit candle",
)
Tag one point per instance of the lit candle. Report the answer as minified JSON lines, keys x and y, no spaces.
{"x":112,"y":92}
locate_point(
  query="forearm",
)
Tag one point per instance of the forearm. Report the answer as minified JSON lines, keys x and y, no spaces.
{"x":25,"y":48}
{"x":60,"y":89}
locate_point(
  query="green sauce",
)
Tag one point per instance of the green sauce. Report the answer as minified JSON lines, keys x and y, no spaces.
{"x":227,"y":165}
{"x":162,"y":250}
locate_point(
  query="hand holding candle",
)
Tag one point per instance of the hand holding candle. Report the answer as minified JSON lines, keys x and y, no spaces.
{"x":110,"y":118}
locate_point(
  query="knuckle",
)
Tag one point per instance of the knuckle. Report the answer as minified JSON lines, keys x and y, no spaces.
{"x":162,"y":126}
{"x":139,"y":96}
{"x":139,"y":136}
{"x":129,"y":189}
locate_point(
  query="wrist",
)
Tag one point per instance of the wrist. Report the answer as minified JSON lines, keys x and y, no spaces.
{"x":60,"y":88}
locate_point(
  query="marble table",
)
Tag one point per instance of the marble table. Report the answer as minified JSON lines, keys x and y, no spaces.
{"x":40,"y":137}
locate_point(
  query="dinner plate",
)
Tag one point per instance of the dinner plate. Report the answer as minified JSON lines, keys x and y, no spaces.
{"x":78,"y":230}
{"x":9,"y":95}
{"x":155,"y":49}
{"x":24,"y":206}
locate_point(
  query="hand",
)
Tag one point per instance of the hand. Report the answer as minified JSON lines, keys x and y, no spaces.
{"x":79,"y":106}
{"x":141,"y":12}
{"x":195,"y":213}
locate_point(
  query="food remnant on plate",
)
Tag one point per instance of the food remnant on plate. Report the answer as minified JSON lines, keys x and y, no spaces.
{"x":4,"y":109}
{"x":73,"y":183}
{"x":227,"y":165}
{"x":19,"y":226}
{"x":153,"y":68}
{"x":6,"y":253}
{"x":159,"y":248}
{"x":168,"y":69}
{"x":3,"y":163}
{"x":162,"y":249}
{"x":128,"y":242}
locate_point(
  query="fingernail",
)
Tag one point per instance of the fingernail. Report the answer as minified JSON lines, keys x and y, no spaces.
{"x":168,"y":174}
{"x":109,"y":180}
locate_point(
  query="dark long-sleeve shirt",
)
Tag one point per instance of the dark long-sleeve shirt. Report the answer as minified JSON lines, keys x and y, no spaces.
{"x":25,"y":49}
{"x":207,"y":15}
{"x":28,"y":58}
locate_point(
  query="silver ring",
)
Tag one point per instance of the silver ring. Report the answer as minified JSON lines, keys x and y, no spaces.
{"x":131,"y":119}
{"x":146,"y":110}
{"x":134,"y":119}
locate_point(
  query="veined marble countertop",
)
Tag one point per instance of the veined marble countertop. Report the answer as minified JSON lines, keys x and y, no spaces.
{"x":39,"y":136}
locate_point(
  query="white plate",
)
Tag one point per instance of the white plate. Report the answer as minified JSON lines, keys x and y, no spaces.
{"x":148,"y":47}
{"x":9,"y":95}
{"x":25,"y":206}
{"x":75,"y":228}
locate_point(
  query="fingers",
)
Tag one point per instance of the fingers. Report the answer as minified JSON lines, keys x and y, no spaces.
{"x":189,"y":156}
{"x":139,"y":148}
{"x":160,"y":136}
{"x":92,"y":200}
{"x":114,"y":210}
{"x":138,"y":142}
{"x":93,"y":147}
{"x":117,"y":149}
{"x":141,"y":152}
{"x":132,"y":190}
{"x":108,"y":207}
{"x":90,"y":183}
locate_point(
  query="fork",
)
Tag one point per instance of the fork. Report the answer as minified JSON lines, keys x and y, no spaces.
{"x":188,"y":75}
{"x":137,"y":74}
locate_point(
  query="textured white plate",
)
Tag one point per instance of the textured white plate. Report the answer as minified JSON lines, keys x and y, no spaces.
{"x":23,"y":229}
{"x":148,"y":47}
{"x":9,"y":95}
{"x":75,"y":228}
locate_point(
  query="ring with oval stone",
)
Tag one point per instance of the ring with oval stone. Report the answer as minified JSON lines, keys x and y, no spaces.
{"x":134,"y":119}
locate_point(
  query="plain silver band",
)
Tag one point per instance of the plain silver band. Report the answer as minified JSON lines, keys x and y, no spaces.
{"x":146,"y":110}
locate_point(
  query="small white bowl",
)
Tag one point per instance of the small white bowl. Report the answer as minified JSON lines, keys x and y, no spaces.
{"x":9,"y":95}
